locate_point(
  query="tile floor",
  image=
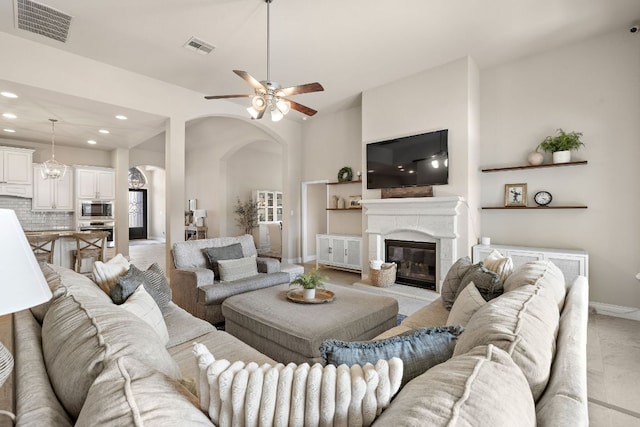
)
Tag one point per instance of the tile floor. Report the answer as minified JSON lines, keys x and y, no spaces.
{"x":613,"y":349}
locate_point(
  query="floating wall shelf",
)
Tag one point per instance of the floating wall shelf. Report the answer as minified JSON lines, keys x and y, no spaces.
{"x":548,"y":165}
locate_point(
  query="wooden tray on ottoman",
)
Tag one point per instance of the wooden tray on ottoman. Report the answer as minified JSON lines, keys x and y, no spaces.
{"x":322,"y":296}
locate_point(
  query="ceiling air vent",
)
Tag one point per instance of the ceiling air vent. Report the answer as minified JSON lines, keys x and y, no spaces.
{"x":41,"y":19}
{"x":199,"y":46}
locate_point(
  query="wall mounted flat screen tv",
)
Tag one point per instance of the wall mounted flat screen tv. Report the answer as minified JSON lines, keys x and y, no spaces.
{"x":409,"y":161}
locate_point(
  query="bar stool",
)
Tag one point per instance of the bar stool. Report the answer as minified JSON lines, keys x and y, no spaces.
{"x":43,"y":246}
{"x":89,"y":245}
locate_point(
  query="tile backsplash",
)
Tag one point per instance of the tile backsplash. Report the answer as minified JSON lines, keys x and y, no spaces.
{"x":37,"y":220}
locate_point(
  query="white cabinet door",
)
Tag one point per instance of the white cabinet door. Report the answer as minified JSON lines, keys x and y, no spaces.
{"x":17,"y":166}
{"x":95,"y":184}
{"x":52,"y":195}
{"x":339,"y":251}
{"x":42,"y":191}
{"x":63,"y":192}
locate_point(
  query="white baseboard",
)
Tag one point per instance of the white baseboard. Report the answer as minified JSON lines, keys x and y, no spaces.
{"x":309,"y":258}
{"x":615,"y":310}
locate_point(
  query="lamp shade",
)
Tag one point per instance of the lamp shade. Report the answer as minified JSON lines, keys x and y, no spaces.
{"x":22,"y":284}
{"x":200,"y":213}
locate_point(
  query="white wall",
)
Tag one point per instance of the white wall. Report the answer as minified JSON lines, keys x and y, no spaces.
{"x":156,"y":202}
{"x":256,"y":166}
{"x":444,"y":97}
{"x":592,"y":87}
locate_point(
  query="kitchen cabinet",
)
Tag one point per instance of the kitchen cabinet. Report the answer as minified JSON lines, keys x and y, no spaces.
{"x":52,"y":194}
{"x":16,"y":172}
{"x":572,"y":263}
{"x":93,"y":183}
{"x":340,"y":251}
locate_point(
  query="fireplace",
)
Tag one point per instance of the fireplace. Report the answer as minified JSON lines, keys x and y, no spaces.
{"x":416,"y":262}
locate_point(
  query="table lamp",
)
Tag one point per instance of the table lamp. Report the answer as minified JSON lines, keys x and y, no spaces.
{"x":22,"y":284}
{"x":200,"y":215}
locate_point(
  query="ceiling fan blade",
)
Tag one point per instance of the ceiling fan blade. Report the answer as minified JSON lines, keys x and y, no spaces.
{"x":226,"y":96}
{"x":296,"y":90}
{"x":302,"y":108}
{"x":249,"y":79}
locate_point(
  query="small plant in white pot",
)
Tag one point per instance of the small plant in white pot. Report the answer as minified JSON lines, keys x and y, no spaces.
{"x":309,"y":282}
{"x":561,"y":145}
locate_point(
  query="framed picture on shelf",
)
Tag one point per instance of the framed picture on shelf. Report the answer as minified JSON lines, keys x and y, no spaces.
{"x":354,"y":202}
{"x":515,"y":195}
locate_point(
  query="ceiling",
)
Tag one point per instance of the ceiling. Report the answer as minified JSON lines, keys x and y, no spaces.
{"x":348,"y":46}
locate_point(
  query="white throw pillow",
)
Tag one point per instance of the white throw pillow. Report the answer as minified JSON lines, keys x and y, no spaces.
{"x":106,"y":274}
{"x":143,"y":305}
{"x":236,"y":269}
{"x":499,"y":264}
{"x":249,"y":394}
{"x":467,"y":303}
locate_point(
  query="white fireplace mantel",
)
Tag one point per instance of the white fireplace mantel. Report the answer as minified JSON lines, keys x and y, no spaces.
{"x":426,"y":219}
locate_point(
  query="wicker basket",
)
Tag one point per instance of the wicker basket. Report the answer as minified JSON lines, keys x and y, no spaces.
{"x":384,"y":277}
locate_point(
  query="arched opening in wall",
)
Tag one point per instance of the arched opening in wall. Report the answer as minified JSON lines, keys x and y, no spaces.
{"x":147,"y":193}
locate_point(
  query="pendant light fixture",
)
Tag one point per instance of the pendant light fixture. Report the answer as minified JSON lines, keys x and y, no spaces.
{"x":53,"y":169}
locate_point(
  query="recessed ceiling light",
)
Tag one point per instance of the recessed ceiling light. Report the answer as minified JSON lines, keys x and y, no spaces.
{"x":121,"y":117}
{"x":8,"y":94}
{"x":103,"y":131}
{"x":9,"y":130}
{"x":92,"y":142}
{"x":9,"y":116}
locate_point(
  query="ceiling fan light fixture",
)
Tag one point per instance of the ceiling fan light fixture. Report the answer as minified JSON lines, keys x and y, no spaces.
{"x":259,"y":103}
{"x":276,"y":115}
{"x":283,"y":105}
{"x":53,"y":169}
{"x":253,"y":112}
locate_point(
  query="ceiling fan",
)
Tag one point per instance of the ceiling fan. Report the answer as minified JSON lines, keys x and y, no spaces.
{"x":270,"y":95}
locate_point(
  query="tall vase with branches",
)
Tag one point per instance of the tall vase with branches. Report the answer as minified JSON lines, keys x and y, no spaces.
{"x":246,"y":215}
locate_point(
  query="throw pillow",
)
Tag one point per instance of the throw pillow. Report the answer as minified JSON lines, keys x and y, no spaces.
{"x":467,"y":303}
{"x":452,"y":281}
{"x":539,"y":273}
{"x":499,"y":264}
{"x":80,"y":337}
{"x":215,"y":254}
{"x":419,"y":349}
{"x":522,"y":322}
{"x":483,"y":387}
{"x":487,"y":282}
{"x":248,"y":394}
{"x":157,"y":286}
{"x":105,"y":274}
{"x":129,"y":392}
{"x":126,"y":285}
{"x":236,"y":269}
{"x":142,"y":305}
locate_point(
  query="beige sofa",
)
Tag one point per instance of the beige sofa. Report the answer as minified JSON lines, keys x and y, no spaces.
{"x":200,"y":293}
{"x":111,"y":370}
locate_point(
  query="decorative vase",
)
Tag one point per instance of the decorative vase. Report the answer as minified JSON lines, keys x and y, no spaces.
{"x":562,"y":156}
{"x":342,"y":204}
{"x":334,"y":202}
{"x":534,"y":158}
{"x":309,"y":294}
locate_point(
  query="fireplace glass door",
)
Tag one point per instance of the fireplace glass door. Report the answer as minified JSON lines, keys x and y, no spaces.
{"x":416,"y":262}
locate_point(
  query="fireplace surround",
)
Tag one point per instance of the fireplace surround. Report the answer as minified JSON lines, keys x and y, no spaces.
{"x":416,"y":262}
{"x":417,"y":219}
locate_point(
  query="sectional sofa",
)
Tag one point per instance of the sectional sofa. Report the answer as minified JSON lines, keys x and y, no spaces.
{"x":81,"y":360}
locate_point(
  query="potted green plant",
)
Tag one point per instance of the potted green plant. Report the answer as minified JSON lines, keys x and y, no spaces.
{"x":309,"y":282}
{"x":561,"y":145}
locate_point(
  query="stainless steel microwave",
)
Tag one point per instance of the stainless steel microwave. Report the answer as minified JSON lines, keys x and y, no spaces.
{"x":96,"y":209}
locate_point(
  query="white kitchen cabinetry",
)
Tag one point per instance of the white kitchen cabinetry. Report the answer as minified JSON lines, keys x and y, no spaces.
{"x":95,"y":183}
{"x":52,"y":194}
{"x":16,"y":172}
{"x":572,"y":263}
{"x":340,"y":251}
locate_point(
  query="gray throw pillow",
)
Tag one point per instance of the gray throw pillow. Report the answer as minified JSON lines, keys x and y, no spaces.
{"x":451,"y":283}
{"x":126,"y":285}
{"x":214,"y":254}
{"x":153,"y":280}
{"x":157,"y":286}
{"x":487,"y":281}
{"x":419,"y":349}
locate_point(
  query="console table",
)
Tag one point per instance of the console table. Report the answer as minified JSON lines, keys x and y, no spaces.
{"x":192,"y":232}
{"x":572,"y":263}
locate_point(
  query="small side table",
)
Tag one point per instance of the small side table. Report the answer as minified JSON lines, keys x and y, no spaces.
{"x":193,"y":232}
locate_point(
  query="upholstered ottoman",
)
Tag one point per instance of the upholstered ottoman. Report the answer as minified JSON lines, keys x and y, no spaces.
{"x":292,"y":332}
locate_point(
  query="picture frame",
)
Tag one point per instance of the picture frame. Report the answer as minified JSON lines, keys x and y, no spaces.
{"x":515,"y":195}
{"x":354,"y":202}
